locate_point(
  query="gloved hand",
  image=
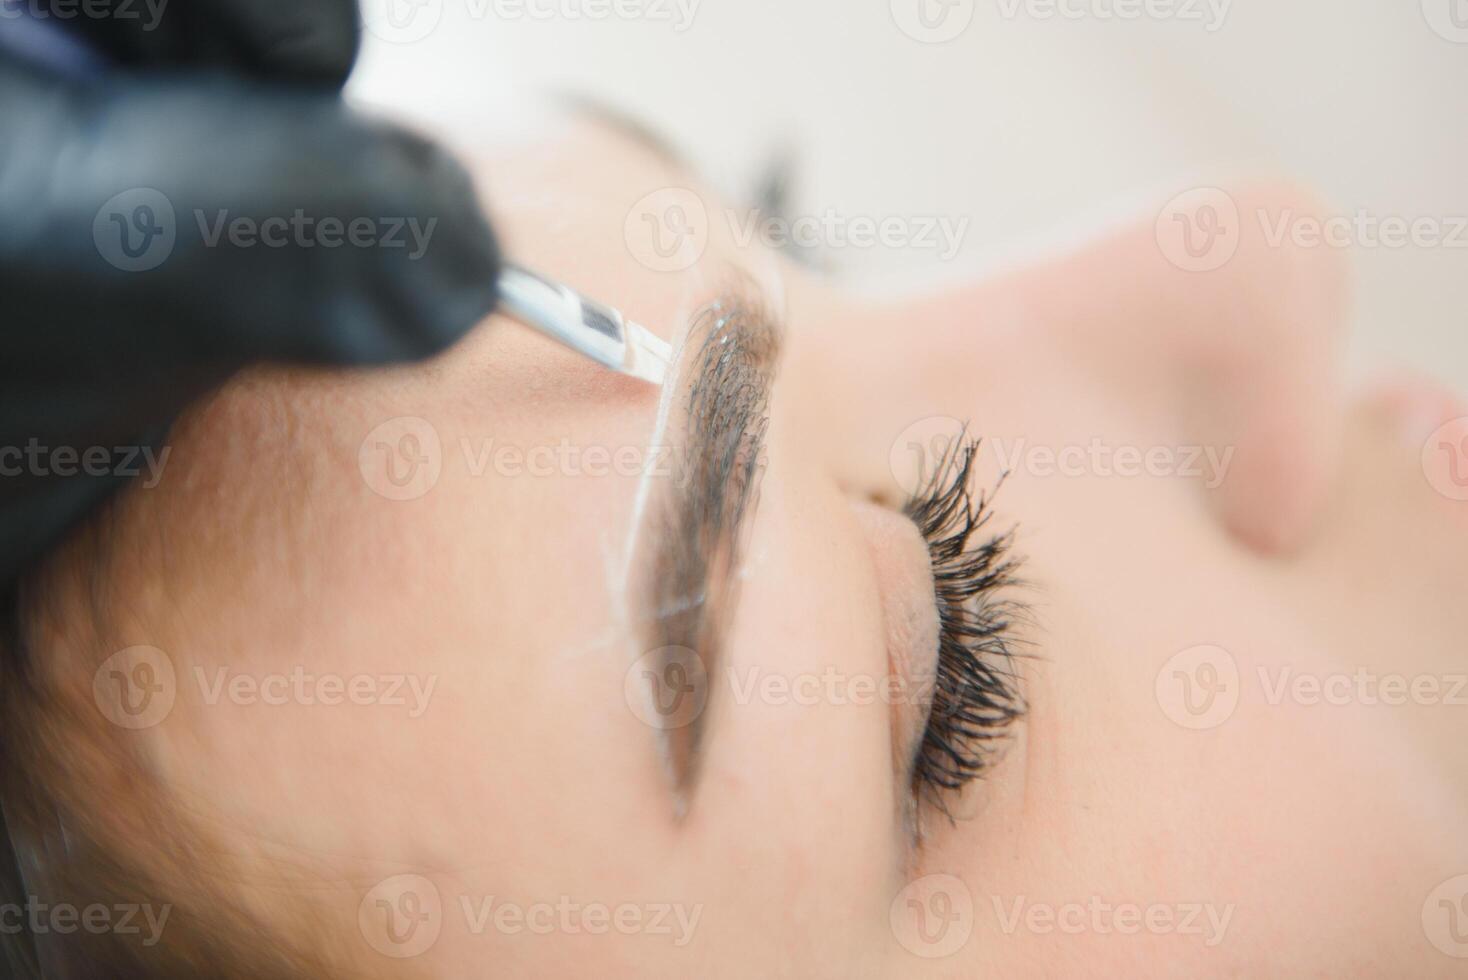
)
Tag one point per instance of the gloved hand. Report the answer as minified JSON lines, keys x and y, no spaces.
{"x":128,"y":283}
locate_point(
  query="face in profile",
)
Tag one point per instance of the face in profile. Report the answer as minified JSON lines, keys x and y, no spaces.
{"x":1068,"y":621}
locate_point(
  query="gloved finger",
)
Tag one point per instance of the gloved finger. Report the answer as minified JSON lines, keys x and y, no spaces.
{"x":171,"y":223}
{"x":303,"y":41}
{"x":156,"y":238}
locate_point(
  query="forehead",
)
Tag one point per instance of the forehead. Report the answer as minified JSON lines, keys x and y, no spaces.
{"x":465,"y":517}
{"x":500,"y":473}
{"x":458,"y":520}
{"x":519,"y":430}
{"x":606,"y":207}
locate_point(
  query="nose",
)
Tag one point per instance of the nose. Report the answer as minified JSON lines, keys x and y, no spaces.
{"x":1245,"y":356}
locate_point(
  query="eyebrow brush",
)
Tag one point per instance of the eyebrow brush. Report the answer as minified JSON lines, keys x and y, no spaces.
{"x":582,"y":324}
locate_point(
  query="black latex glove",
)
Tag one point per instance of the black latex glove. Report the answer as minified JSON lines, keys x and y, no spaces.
{"x":227,"y":108}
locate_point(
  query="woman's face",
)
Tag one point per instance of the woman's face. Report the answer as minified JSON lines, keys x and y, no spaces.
{"x":416,"y":620}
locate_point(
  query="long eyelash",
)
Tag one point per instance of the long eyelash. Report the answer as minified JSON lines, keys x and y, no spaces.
{"x":976,"y":696}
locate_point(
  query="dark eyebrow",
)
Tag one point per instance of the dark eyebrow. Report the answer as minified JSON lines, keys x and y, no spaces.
{"x":728,"y":361}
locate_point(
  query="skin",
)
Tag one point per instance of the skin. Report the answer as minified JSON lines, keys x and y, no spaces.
{"x":1314,"y":832}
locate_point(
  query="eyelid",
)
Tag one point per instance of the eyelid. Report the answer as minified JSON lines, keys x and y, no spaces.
{"x":906,"y":592}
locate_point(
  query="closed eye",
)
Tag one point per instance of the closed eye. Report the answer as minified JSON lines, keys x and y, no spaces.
{"x":976,"y":696}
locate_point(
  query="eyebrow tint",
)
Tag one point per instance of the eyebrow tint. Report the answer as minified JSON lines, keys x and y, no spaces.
{"x":703,"y":514}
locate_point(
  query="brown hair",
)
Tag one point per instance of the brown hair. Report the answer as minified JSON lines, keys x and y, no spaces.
{"x":87,"y":822}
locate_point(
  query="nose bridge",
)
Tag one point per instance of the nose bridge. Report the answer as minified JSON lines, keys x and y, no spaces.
{"x":1244,"y":356}
{"x":1250,"y":352}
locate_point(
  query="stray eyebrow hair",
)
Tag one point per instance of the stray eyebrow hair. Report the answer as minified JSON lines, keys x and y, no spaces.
{"x":729,"y":357}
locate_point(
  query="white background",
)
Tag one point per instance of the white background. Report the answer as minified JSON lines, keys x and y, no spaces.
{"x":1022,"y":123}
